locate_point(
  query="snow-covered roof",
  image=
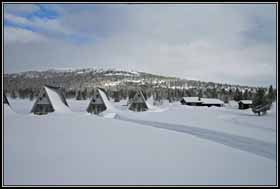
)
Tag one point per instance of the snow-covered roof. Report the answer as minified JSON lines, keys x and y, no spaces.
{"x":107,"y":103}
{"x":56,"y":100}
{"x":191,"y":99}
{"x":246,"y":101}
{"x":203,"y":100}
{"x":211,"y":101}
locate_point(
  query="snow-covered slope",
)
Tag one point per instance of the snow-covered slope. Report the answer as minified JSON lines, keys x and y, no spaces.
{"x":21,"y":106}
{"x":111,"y":111}
{"x":224,"y":119}
{"x":8,"y":110}
{"x":85,"y":149}
{"x":108,"y":104}
{"x":56,"y":101}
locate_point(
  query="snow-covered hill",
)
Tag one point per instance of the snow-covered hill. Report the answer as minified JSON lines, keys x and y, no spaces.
{"x":76,"y":79}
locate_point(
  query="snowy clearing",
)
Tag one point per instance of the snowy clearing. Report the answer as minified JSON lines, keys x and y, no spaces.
{"x":168,"y":145}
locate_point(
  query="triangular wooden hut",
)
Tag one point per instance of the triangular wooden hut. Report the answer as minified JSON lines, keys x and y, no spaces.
{"x":49,"y":100}
{"x":138,"y":103}
{"x":97,"y":103}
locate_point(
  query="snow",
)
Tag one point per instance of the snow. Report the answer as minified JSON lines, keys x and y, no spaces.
{"x":182,"y":145}
{"x":231,"y":121}
{"x":109,"y":115}
{"x":232,"y":104}
{"x":78,"y":105}
{"x":56,"y":101}
{"x":191,"y":99}
{"x":8,"y":109}
{"x":152,"y":108}
{"x":111,"y":111}
{"x":21,"y":106}
{"x":120,"y":74}
{"x":211,"y":101}
{"x":246,"y":101}
{"x":112,"y":83}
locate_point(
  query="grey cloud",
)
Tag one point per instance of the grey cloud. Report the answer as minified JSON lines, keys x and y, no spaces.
{"x":203,"y":42}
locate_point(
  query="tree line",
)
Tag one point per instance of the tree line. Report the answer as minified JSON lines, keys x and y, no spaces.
{"x":260,"y":95}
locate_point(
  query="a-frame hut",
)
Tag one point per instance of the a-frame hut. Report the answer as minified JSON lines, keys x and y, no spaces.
{"x":7,"y":107}
{"x":138,"y":102}
{"x":49,"y":100}
{"x":5,"y":100}
{"x":97,"y":103}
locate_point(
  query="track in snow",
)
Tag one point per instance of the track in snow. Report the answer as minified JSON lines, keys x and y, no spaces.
{"x":258,"y":147}
{"x":237,"y":121}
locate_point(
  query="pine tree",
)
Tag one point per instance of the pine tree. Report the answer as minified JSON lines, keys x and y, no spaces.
{"x":116,"y":96}
{"x":83,"y":95}
{"x":21,"y":93}
{"x":31,"y":96}
{"x":238,"y":95}
{"x":270,"y":94}
{"x":200,"y":94}
{"x":230,"y":94}
{"x":214,"y":93}
{"x":235,"y":96}
{"x":259,"y":98}
{"x":246,"y":95}
{"x":226,"y":99}
{"x":13,"y":94}
{"x":79,"y":95}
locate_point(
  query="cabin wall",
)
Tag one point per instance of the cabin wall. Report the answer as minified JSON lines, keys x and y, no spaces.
{"x":43,"y":100}
{"x":96,"y":105}
{"x":209,"y":105}
{"x":242,"y":106}
{"x":96,"y":108}
{"x":41,"y":109}
{"x":138,"y":107}
{"x":43,"y":105}
{"x":96,"y":100}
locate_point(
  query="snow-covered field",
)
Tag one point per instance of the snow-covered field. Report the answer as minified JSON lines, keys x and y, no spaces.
{"x":170,"y":144}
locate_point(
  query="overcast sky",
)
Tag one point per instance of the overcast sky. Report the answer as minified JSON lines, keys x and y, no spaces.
{"x":226,"y":43}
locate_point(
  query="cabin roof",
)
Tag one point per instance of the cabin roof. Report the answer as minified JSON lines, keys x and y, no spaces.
{"x":203,"y":100}
{"x":192,"y":99}
{"x":246,"y":101}
{"x":57,"y":99}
